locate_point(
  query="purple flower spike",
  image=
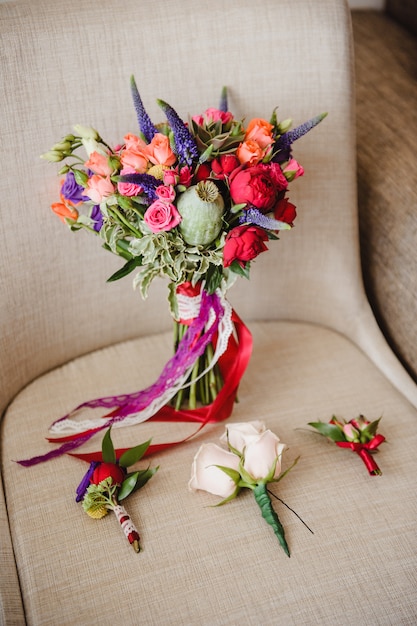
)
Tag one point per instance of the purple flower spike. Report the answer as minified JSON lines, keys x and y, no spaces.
{"x":254,"y":216}
{"x":223,"y":100}
{"x":146,"y":181}
{"x":185,"y":145}
{"x":284,"y":142}
{"x":82,"y":487}
{"x":147,"y":128}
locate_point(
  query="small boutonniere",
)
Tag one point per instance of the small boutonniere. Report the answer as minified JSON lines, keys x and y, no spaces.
{"x":253,"y":460}
{"x":107,"y":482}
{"x":358,"y":434}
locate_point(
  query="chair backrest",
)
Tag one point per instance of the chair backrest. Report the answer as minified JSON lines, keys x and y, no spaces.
{"x":67,"y":63}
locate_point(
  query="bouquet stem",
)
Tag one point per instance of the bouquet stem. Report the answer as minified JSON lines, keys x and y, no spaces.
{"x":128,"y":527}
{"x":202,"y":388}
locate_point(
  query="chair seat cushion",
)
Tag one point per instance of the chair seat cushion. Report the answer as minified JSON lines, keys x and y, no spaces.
{"x":206,"y":565}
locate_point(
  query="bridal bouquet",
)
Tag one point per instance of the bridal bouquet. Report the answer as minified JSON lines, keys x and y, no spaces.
{"x":195,"y":202}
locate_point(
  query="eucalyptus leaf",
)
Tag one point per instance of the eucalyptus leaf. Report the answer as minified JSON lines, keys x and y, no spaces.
{"x":132,"y":456}
{"x":107,"y":448}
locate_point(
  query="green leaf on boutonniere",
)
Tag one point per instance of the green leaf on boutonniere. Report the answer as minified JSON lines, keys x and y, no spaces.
{"x":135,"y":481}
{"x":134,"y":454}
{"x":331,"y":431}
{"x":370,"y":431}
{"x":107,"y":448}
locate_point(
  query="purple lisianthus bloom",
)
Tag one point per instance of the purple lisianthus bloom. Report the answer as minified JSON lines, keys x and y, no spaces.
{"x":97,"y":217}
{"x":72,"y":191}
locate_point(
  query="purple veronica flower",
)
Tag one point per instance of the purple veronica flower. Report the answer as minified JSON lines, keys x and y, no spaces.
{"x":82,"y":487}
{"x":97,"y":217}
{"x":284,"y":142}
{"x":146,"y":181}
{"x":254,"y":216}
{"x":148,"y":130}
{"x":73,"y":191}
{"x":185,"y":145}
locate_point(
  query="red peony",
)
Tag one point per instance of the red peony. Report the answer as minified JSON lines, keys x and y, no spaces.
{"x":285,"y":211}
{"x":259,"y":186}
{"x":104,"y":470}
{"x":244,"y":243}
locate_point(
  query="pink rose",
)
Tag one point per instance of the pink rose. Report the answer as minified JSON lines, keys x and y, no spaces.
{"x":260,"y":131}
{"x":224,"y":165}
{"x":98,"y":188}
{"x":99,"y":164}
{"x":350,"y":432}
{"x":293,"y":169}
{"x":258,"y":186}
{"x":263,"y":456}
{"x":243,"y":244}
{"x":129,"y":189}
{"x":206,"y":476}
{"x":165,"y":192}
{"x":133,"y":142}
{"x":170,"y":177}
{"x":134,"y":155}
{"x":239,"y":434}
{"x":213,"y":115}
{"x":159,"y":151}
{"x":161,"y":216}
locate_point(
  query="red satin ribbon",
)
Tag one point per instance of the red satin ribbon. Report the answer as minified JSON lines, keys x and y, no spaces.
{"x":364,"y":451}
{"x":232,"y":363}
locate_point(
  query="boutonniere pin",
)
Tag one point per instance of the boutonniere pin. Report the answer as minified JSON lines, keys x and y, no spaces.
{"x":358,"y":434}
{"x":108,"y":482}
{"x":252,"y":460}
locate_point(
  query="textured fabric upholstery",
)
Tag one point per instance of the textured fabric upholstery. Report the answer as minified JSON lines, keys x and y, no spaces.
{"x":66,"y":336}
{"x":387,"y":197}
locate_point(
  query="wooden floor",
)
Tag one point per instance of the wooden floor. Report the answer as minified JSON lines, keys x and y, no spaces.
{"x":386,"y":94}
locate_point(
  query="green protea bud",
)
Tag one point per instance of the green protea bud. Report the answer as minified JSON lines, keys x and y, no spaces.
{"x":201,"y":208}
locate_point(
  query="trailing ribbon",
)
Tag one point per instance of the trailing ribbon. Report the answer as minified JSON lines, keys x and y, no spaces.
{"x":364,"y":451}
{"x":200,"y":333}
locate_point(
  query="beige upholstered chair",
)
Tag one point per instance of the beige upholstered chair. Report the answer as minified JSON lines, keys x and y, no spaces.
{"x":66,"y":336}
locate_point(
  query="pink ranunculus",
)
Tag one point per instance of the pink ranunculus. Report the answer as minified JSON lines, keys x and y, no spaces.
{"x":165,"y":192}
{"x":261,"y":454}
{"x":250,"y":153}
{"x":258,"y":186}
{"x":161,"y":216}
{"x":98,"y":188}
{"x":294,"y":169}
{"x":206,"y":476}
{"x":260,"y":131}
{"x":129,"y":189}
{"x":244,"y":243}
{"x":159,"y":151}
{"x":224,"y":165}
{"x":99,"y":164}
{"x":239,"y":434}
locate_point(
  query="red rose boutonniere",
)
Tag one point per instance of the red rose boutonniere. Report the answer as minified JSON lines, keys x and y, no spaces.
{"x":107,"y":482}
{"x":358,"y":434}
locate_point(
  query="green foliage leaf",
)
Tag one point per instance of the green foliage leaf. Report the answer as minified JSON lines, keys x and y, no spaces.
{"x":239,"y":270}
{"x":134,"y":454}
{"x":107,"y":448}
{"x":232,"y":473}
{"x":135,"y":481}
{"x":370,"y":431}
{"x":126,"y":269}
{"x":331,"y":431}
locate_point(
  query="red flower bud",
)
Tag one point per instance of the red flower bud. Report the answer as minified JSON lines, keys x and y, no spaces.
{"x":104,"y":470}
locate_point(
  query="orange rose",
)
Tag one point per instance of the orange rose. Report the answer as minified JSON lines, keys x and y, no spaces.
{"x":159,"y":151}
{"x":259,"y":130}
{"x":249,"y":153}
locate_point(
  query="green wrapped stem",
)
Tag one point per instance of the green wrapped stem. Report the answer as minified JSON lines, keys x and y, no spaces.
{"x":268,"y":513}
{"x":200,"y":391}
